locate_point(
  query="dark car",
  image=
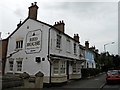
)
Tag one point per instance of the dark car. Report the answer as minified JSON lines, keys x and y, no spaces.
{"x":113,"y":76}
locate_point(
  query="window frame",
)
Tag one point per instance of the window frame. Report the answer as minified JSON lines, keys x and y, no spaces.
{"x":68,"y":45}
{"x":19,"y":44}
{"x":61,"y":67}
{"x":56,"y":67}
{"x":19,"y":66}
{"x":76,"y":68}
{"x":58,"y":41}
{"x":75,"y":48}
{"x":11,"y":63}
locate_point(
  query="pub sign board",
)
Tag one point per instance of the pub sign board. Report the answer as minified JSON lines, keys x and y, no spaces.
{"x":33,"y":41}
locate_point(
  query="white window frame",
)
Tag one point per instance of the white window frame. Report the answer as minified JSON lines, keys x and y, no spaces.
{"x":75,"y":48}
{"x":19,"y":44}
{"x":76,"y":68}
{"x":19,"y":65}
{"x":11,"y":65}
{"x":68,"y":45}
{"x":58,"y":41}
{"x":56,"y":67}
{"x":62,"y":67}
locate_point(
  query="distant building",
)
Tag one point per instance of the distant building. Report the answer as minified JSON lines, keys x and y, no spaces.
{"x":89,"y":56}
{"x":37,"y":46}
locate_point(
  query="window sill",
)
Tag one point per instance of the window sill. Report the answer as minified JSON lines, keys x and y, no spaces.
{"x":17,"y":49}
{"x":18,"y":72}
{"x":10,"y":72}
{"x":76,"y":73}
{"x":59,"y":49}
{"x":59,"y":75}
{"x":68,"y":52}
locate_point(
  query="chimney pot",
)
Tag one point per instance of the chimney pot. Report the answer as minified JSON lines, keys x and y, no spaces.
{"x":76,"y":37}
{"x":60,"y":22}
{"x":35,"y":3}
{"x":86,"y":44}
{"x":32,"y":4}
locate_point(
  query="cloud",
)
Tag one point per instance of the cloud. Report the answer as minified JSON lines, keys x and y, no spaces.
{"x":19,"y":12}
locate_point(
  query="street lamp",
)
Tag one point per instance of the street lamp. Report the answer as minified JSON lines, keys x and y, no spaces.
{"x":107,"y":44}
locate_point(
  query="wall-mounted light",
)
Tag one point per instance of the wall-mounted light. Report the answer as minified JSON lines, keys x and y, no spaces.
{"x":38,"y":59}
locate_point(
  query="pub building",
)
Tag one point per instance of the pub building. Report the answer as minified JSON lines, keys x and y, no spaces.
{"x":37,"y":46}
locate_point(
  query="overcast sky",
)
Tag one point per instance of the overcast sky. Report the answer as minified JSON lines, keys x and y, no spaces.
{"x":95,"y":21}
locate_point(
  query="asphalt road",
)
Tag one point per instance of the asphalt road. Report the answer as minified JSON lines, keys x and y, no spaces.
{"x":112,"y":86}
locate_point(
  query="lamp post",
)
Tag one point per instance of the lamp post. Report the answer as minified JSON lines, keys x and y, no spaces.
{"x":107,"y":44}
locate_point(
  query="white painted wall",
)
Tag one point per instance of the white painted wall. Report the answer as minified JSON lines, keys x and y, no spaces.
{"x":29,"y":64}
{"x":63,"y":50}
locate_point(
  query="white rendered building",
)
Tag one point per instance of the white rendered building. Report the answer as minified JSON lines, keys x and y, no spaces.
{"x":36,"y":46}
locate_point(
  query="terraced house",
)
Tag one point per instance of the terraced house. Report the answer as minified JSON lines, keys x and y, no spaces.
{"x":37,"y":46}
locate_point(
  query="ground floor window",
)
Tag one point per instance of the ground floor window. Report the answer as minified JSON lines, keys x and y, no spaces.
{"x":62,"y":67}
{"x":56,"y":67}
{"x":11,"y":65}
{"x":76,"y":67}
{"x":19,"y":65}
{"x":59,"y":67}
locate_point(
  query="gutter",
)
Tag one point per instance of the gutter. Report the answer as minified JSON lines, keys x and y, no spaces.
{"x":49,"y":54}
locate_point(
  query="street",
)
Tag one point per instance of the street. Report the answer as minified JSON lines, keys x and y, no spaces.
{"x":96,"y":83}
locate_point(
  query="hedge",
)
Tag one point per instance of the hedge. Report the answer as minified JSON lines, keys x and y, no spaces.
{"x":86,"y":72}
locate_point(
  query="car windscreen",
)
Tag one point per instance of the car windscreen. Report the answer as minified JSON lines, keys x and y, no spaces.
{"x":114,"y":72}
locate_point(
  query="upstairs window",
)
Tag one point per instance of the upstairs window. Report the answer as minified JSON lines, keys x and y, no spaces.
{"x":58,"y":42}
{"x":68,"y":45}
{"x":19,"y":44}
{"x":75,"y":51}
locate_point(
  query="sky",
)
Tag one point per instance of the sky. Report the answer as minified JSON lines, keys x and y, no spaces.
{"x":95,"y":21}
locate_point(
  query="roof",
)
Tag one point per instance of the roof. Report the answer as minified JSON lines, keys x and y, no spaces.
{"x":42,"y":23}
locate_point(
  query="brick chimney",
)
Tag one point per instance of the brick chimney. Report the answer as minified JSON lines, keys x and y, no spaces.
{"x":76,"y":37}
{"x":87,"y":44}
{"x":33,"y":11}
{"x":60,"y":25}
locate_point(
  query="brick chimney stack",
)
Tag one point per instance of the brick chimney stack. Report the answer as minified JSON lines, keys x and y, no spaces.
{"x":33,"y":11}
{"x":60,"y":25}
{"x":87,"y":44}
{"x":76,"y":37}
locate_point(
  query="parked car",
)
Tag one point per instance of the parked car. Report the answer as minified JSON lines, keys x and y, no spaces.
{"x":113,"y":76}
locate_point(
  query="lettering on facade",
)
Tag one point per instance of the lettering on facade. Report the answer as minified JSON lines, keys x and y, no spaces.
{"x":33,"y":41}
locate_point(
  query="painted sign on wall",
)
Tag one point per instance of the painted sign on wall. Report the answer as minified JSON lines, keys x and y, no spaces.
{"x":33,"y":41}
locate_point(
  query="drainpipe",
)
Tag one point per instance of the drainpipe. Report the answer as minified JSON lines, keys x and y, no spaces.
{"x":49,"y":54}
